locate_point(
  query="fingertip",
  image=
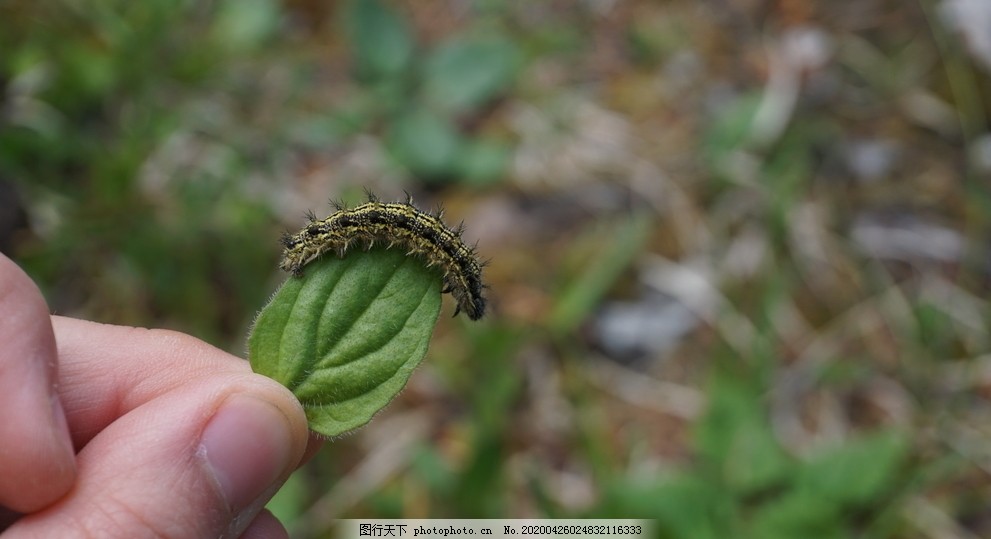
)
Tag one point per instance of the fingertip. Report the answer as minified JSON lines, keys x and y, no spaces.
{"x":247,"y":446}
{"x":255,"y":439}
{"x":37,"y":460}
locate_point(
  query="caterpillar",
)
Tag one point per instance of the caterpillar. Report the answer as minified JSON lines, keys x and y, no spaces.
{"x":403,"y":224}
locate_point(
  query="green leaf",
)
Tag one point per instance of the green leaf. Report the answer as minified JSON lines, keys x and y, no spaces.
{"x":483,"y":162}
{"x":857,"y":471}
{"x":381,"y":40}
{"x":465,"y":72}
{"x":797,"y":514}
{"x":681,"y":505}
{"x":426,"y":143}
{"x":346,"y":336}
{"x":580,"y":296}
{"x":244,"y":25}
{"x":736,"y":436}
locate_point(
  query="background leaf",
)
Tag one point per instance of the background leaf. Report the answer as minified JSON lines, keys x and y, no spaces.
{"x":465,"y":72}
{"x":381,"y":40}
{"x":797,"y":514}
{"x":857,"y":471}
{"x":736,"y":436}
{"x":426,"y":143}
{"x":246,"y":24}
{"x":583,"y":293}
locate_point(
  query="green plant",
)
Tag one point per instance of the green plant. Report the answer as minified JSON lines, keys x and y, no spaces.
{"x":422,"y":103}
{"x":346,"y":337}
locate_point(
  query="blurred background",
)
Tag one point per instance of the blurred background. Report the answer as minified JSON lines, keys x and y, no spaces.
{"x":739,"y":249}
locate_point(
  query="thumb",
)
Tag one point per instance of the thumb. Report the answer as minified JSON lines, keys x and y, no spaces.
{"x":199,"y":461}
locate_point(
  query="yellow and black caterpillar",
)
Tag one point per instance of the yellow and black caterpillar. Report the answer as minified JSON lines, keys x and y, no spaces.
{"x":393,"y":224}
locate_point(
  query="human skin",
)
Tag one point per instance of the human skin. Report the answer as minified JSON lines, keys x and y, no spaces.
{"x":112,"y":431}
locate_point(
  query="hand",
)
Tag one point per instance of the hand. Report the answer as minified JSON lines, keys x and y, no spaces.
{"x":126,"y":432}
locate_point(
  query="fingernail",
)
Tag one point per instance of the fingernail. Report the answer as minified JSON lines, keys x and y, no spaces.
{"x":247,"y":445}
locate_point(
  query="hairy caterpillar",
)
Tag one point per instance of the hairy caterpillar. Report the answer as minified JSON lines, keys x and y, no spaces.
{"x":420,"y":233}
